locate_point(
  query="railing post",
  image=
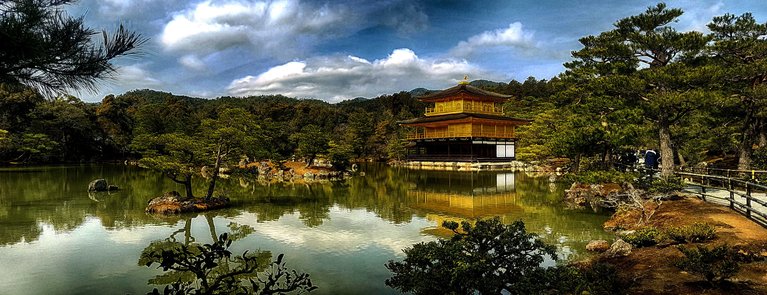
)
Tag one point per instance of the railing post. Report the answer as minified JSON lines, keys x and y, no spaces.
{"x":703,"y":191}
{"x":732,"y":193}
{"x":748,"y":200}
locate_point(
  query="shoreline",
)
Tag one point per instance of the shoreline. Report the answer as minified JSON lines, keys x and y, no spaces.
{"x":652,"y":269}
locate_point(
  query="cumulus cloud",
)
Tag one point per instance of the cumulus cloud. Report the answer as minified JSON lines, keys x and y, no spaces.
{"x":513,"y":36}
{"x":344,"y":77}
{"x":275,"y":27}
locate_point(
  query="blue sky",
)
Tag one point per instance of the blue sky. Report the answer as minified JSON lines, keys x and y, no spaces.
{"x":337,"y":50}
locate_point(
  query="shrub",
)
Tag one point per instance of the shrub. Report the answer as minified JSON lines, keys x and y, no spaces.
{"x":715,"y":264}
{"x":644,"y":237}
{"x":665,"y":186}
{"x":694,"y":233}
{"x":487,"y":258}
{"x":493,"y":258}
{"x":598,"y":278}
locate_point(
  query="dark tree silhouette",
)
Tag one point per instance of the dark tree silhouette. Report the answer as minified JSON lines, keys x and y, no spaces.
{"x":43,"y":47}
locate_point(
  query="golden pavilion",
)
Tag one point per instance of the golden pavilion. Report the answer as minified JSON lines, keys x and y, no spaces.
{"x":463,"y":124}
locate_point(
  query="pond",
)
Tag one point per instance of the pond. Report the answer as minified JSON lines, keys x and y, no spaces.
{"x":56,"y":238}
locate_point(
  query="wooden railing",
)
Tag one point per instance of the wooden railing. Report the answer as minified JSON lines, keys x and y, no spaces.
{"x":741,"y":195}
{"x":742,"y":174}
{"x":464,"y":108}
{"x":455,"y":134}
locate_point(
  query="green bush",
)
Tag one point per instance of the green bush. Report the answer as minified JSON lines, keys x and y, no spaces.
{"x":488,"y":257}
{"x":598,"y":278}
{"x":759,"y":158}
{"x":694,"y":233}
{"x":596,"y":177}
{"x":644,"y":237}
{"x":665,"y":186}
{"x":495,"y":258}
{"x":717,"y":264}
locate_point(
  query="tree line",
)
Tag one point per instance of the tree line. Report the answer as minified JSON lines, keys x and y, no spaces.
{"x":65,"y":129}
{"x":645,"y":84}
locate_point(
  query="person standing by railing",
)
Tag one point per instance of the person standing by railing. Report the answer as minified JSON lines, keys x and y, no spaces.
{"x":651,"y":159}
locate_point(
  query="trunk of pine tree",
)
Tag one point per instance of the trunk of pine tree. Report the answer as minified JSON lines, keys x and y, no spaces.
{"x":310,"y":161}
{"x":666,"y":151}
{"x":745,"y":149}
{"x":214,"y":177}
{"x":577,"y":163}
{"x":187,"y":182}
{"x":682,"y":162}
{"x":760,"y":133}
{"x":188,"y":186}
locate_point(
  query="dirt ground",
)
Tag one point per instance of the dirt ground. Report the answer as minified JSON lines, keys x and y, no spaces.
{"x":651,"y":269}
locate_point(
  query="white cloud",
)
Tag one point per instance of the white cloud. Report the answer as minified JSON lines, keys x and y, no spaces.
{"x":135,"y":76}
{"x":513,"y":36}
{"x":125,"y":8}
{"x":275,"y":28}
{"x":192,"y":62}
{"x":696,"y":17}
{"x":338,"y":78}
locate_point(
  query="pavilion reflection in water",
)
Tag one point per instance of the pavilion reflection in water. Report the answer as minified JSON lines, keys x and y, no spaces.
{"x":461,"y":196}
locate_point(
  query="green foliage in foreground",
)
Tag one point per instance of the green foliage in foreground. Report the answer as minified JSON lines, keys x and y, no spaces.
{"x":694,"y":233}
{"x":644,"y":237}
{"x":650,"y":236}
{"x":493,"y":258}
{"x":716,"y":264}
{"x":665,"y":186}
{"x":211,"y":269}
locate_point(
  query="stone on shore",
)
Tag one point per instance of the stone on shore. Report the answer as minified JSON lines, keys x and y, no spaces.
{"x":618,"y":249}
{"x":598,"y":246}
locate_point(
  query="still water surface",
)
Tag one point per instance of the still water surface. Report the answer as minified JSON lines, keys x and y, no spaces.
{"x":56,"y":238}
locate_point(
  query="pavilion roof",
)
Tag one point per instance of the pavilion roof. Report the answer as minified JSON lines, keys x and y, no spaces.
{"x":464,"y":90}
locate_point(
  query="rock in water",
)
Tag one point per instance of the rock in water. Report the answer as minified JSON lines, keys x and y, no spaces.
{"x":98,"y":185}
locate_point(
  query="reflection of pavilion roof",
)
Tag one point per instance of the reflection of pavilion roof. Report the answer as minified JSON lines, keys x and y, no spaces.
{"x":465,"y":90}
{"x":464,"y":206}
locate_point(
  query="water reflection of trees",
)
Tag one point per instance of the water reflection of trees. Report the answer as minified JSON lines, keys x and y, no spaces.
{"x":191,"y":267}
{"x":58,"y":197}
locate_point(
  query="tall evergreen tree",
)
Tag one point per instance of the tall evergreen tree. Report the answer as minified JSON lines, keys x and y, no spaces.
{"x":740,"y":50}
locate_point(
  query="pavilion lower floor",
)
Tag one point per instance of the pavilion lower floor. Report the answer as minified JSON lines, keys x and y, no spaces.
{"x":461,"y":150}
